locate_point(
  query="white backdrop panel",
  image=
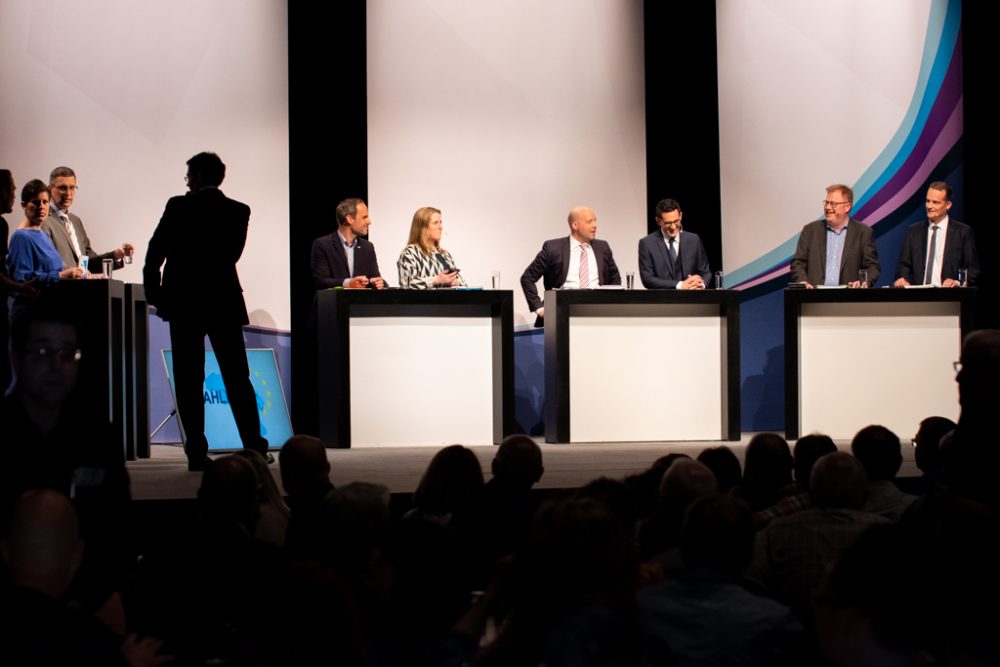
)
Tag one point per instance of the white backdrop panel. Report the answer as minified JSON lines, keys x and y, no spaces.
{"x":646,"y":378}
{"x":421,"y":381}
{"x":886,"y":363}
{"x":809,"y":94}
{"x":125,"y":92}
{"x":504,"y":115}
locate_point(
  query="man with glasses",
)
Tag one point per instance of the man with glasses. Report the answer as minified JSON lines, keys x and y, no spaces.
{"x":670,"y":258}
{"x":835,"y":249}
{"x":66,"y":229}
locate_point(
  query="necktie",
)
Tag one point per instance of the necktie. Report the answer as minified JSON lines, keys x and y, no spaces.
{"x":673,"y":256}
{"x":71,"y":231}
{"x":584,"y":267}
{"x":929,"y":275}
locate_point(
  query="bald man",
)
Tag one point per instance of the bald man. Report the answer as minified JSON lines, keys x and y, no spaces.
{"x":559,"y":262}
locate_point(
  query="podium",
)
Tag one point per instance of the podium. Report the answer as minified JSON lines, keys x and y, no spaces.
{"x":641,"y":365}
{"x":415,"y":367}
{"x":872,"y":356}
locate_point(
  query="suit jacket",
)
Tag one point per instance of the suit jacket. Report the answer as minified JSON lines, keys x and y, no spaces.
{"x":959,"y":252}
{"x":809,"y":262}
{"x":552,"y":262}
{"x":658,"y":271}
{"x":329,"y":261}
{"x":56,"y":231}
{"x":200,"y":237}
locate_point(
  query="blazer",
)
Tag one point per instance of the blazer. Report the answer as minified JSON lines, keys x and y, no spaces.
{"x":809,"y":262}
{"x":658,"y":271}
{"x":328,"y":261}
{"x":959,"y":252}
{"x":552,"y":263}
{"x":200,"y":237}
{"x":56,"y":231}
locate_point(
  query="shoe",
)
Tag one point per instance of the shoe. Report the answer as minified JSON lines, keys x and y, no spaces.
{"x":198,"y":463}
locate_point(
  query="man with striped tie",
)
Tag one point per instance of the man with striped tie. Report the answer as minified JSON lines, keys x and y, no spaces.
{"x":577,"y":261}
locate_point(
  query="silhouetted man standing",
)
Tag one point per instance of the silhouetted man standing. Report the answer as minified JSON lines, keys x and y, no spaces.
{"x":201,"y":237}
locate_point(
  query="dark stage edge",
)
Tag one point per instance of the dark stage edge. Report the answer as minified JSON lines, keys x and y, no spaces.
{"x":164,"y":476}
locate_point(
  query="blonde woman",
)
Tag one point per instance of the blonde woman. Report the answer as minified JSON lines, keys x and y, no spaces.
{"x":424,"y":264}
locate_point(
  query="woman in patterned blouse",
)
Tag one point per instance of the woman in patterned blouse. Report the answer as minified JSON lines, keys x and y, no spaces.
{"x":424,"y":264}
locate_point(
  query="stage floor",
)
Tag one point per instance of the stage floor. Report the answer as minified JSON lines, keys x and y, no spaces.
{"x":164,"y":476}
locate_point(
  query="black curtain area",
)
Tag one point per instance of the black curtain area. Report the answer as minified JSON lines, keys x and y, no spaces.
{"x":328,"y":155}
{"x":979,"y":54}
{"x":682,"y":116}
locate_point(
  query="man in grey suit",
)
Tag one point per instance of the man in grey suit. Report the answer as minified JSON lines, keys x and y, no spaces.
{"x":936,"y":248}
{"x":833,"y":251}
{"x":670,"y":258}
{"x":66,"y":229}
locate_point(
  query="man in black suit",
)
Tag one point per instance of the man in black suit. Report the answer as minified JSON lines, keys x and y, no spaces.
{"x":833,"y":250}
{"x":201,"y":237}
{"x":345,"y":258}
{"x":670,"y":258}
{"x":935,"y":249}
{"x":559,"y":263}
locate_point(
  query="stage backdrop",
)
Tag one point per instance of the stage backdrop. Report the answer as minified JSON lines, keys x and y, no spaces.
{"x":505,"y":115}
{"x":844,"y":91}
{"x":124,"y":92}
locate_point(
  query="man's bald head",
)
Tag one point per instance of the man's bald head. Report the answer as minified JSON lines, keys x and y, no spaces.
{"x":582,"y":223}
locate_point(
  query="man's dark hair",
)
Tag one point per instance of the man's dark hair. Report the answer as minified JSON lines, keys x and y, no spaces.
{"x":723,"y":463}
{"x":6,"y":182}
{"x":32,"y":189}
{"x":807,"y":451}
{"x":348,"y":207}
{"x":42,"y":309}
{"x":941,"y":185}
{"x":928,"y":449}
{"x":666,"y":206}
{"x":60,"y":172}
{"x":878,"y":450}
{"x":208,"y":167}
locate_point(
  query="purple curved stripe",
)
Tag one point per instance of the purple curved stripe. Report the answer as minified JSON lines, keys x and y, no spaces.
{"x":948,"y":98}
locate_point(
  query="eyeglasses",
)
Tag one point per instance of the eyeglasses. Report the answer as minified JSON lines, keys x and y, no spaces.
{"x":833,"y":204}
{"x":54,"y":354}
{"x":66,"y":188}
{"x":957,"y":365}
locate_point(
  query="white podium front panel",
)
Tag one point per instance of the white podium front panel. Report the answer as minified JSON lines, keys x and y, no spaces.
{"x":646,"y":373}
{"x":421,"y":381}
{"x":877,"y":363}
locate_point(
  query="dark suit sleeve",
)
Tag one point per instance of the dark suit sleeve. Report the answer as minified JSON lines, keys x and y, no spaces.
{"x":800,"y":260}
{"x":531,"y":275}
{"x":322,"y":271}
{"x":904,"y":267}
{"x":614,"y":278}
{"x":869,"y":258}
{"x":156,"y":254}
{"x":704,"y":270}
{"x":647,"y":274}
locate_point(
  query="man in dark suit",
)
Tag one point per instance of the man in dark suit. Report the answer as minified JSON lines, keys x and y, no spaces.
{"x":200,"y":297}
{"x":670,"y":258}
{"x":833,"y":250}
{"x":345,"y":258}
{"x":67,"y":231}
{"x":935,"y":249}
{"x":559,"y":263}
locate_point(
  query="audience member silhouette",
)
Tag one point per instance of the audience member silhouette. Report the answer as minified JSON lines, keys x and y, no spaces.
{"x":927,"y":449}
{"x":453,"y":478}
{"x":808,"y":449}
{"x":272,"y":524}
{"x":684,"y":481}
{"x":305,"y":474}
{"x":878,"y":450}
{"x":767,"y":472}
{"x":724,"y":465}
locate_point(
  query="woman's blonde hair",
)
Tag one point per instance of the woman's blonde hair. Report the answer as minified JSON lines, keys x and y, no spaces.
{"x":418,"y":229}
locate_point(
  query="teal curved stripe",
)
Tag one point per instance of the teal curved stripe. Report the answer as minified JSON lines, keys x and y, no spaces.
{"x":943,"y":25}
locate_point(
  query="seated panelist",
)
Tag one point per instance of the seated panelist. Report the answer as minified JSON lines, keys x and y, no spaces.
{"x":424,"y":264}
{"x":671,"y":258}
{"x":346,"y":258}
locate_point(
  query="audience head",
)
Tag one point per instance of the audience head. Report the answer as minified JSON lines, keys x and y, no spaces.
{"x":205,"y":169}
{"x":43,"y":548}
{"x":425,"y":230}
{"x":927,"y":443}
{"x":45,"y":354}
{"x":228,"y":492}
{"x":452,"y":477}
{"x":724,"y":465}
{"x":979,"y":376}
{"x":355,"y":520}
{"x":807,"y":451}
{"x":305,"y":470}
{"x":7,"y":191}
{"x":267,"y":488}
{"x":62,"y":187}
{"x":767,"y":465}
{"x":879,"y":452}
{"x":518,"y":461}
{"x":718,"y":534}
{"x":613,"y":494}
{"x":685,"y":481}
{"x":838,"y":482}
{"x":646,"y":485}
